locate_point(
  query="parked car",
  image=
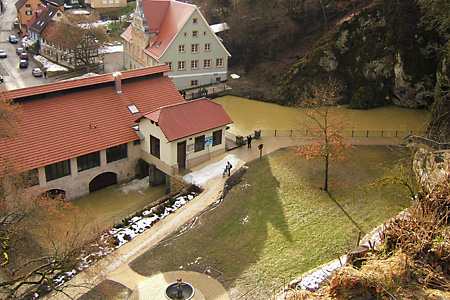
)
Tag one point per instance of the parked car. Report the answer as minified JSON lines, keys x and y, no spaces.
{"x":23,"y":55}
{"x":23,"y":63}
{"x":1,"y":78}
{"x":19,"y":50}
{"x":12,"y":39}
{"x":2,"y":54}
{"x":37,"y":72}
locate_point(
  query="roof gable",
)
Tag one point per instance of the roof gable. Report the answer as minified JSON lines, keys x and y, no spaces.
{"x":44,"y":18}
{"x":189,"y":118}
{"x":154,"y":12}
{"x":177,"y":14}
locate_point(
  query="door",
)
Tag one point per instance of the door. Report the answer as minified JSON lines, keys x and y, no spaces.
{"x":181,"y":155}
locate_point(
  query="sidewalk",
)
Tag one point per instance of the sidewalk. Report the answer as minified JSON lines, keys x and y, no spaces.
{"x":115,"y":266}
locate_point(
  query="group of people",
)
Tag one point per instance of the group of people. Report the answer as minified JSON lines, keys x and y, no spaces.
{"x":228,"y":167}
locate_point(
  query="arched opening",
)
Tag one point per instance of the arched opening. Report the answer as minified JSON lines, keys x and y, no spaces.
{"x":103,"y":180}
{"x":55,"y":193}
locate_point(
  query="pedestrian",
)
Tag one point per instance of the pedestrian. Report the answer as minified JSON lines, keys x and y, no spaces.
{"x":45,"y":74}
{"x":249,"y":141}
{"x":228,"y":167}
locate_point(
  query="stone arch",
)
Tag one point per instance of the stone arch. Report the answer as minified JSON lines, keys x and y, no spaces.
{"x":102,"y":180}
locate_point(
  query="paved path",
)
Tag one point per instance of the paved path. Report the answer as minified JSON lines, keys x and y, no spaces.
{"x":115,"y":266}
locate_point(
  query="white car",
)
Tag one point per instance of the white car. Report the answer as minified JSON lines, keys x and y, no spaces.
{"x":2,"y":54}
{"x":37,"y":72}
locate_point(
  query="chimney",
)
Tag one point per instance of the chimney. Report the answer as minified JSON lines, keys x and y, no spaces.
{"x":118,"y":82}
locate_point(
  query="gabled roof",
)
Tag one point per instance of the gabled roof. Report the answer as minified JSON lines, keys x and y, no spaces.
{"x":90,"y":117}
{"x":39,"y":10}
{"x":176,"y":15}
{"x":43,"y":19}
{"x":154,"y":12}
{"x":20,"y":3}
{"x":185,"y":119}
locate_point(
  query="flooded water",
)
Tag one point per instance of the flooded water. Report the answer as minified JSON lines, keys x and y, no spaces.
{"x":249,"y":115}
{"x":115,"y":202}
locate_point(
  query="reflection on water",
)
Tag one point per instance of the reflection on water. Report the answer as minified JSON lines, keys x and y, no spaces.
{"x":115,"y":202}
{"x":249,"y":115}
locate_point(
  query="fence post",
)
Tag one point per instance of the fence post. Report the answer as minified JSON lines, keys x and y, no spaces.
{"x":367,"y":134}
{"x":352,"y":132}
{"x":291,"y":132}
{"x":396,"y":133}
{"x":275,"y":133}
{"x":382,"y":133}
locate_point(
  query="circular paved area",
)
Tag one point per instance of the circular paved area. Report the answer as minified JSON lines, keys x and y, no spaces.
{"x":206,"y":288}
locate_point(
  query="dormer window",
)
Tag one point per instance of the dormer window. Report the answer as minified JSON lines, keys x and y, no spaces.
{"x":133,"y":109}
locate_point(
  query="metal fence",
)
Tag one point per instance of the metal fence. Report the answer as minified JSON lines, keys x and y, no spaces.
{"x":233,"y":141}
{"x":207,"y":91}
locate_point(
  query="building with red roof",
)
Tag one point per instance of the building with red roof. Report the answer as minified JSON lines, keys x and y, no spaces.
{"x":81,"y":135}
{"x":176,"y":34}
{"x":193,"y":130}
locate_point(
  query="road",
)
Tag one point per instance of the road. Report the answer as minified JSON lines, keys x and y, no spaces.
{"x":13,"y":76}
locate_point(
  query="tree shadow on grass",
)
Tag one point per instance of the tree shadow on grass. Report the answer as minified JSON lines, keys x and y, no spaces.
{"x":345,"y":212}
{"x":229,"y":238}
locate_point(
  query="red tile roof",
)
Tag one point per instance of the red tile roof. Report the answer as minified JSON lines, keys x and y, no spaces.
{"x":185,"y":119}
{"x":176,"y":15}
{"x":85,"y":120}
{"x":154,"y":13}
{"x":38,"y":12}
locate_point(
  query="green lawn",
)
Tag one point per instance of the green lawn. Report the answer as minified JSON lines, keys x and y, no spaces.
{"x":277,"y":224}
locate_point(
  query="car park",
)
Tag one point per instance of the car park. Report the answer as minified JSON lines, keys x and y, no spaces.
{"x":37,"y":72}
{"x":3,"y":54}
{"x":23,"y":55}
{"x":19,"y":50}
{"x":12,"y":39}
{"x":23,"y":63}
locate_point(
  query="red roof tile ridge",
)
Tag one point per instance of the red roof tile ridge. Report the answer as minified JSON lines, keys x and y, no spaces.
{"x":82,"y":82}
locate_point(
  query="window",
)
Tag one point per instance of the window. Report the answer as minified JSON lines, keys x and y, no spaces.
{"x":194,"y":48}
{"x":219,"y":62}
{"x":205,"y":33}
{"x":154,"y":146}
{"x":169,"y":64}
{"x":217,"y":137}
{"x":207,"y":63}
{"x":116,"y":153}
{"x":194,"y":82}
{"x":27,"y":5}
{"x":195,"y":33}
{"x":181,"y":65}
{"x":133,"y":109}
{"x":181,"y":48}
{"x":195,"y":20}
{"x":28,"y":12}
{"x":218,"y":79}
{"x":88,"y":161}
{"x":199,"y":143}
{"x":185,"y":34}
{"x":57,"y":170}
{"x":207,"y":47}
{"x":194,"y":64}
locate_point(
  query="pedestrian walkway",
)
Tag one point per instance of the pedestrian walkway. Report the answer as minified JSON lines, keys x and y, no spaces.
{"x":115,"y":266}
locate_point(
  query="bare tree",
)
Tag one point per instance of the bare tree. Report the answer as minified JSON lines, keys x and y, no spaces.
{"x":326,"y":127}
{"x":81,"y":37}
{"x":40,"y":235}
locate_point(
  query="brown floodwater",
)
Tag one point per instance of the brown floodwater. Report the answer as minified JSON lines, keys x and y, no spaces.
{"x":115,"y":202}
{"x":112,"y":204}
{"x":249,"y":115}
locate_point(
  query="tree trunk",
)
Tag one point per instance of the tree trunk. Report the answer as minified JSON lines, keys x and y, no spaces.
{"x":325,"y":187}
{"x":324,"y":14}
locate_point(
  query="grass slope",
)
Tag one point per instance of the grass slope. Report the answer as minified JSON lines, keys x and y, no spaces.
{"x":276,"y":223}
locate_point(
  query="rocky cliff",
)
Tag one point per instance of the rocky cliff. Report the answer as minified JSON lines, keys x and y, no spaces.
{"x":380,"y":56}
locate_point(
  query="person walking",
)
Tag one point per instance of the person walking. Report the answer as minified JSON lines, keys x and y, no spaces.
{"x":229,"y":166}
{"x":45,"y":74}
{"x":249,"y":141}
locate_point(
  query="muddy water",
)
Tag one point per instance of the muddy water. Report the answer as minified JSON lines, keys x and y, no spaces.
{"x":249,"y":115}
{"x":115,"y":202}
